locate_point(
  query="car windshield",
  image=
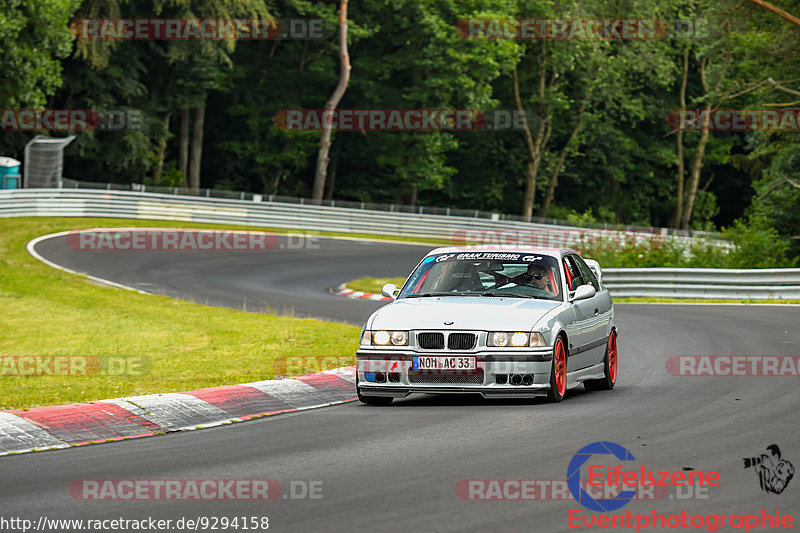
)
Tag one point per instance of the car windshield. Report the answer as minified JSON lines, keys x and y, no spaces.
{"x":488,"y":274}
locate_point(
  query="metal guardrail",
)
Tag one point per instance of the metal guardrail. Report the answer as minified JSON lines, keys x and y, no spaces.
{"x":705,"y":283}
{"x":257,"y":212}
{"x":648,"y":282}
{"x":67,"y":183}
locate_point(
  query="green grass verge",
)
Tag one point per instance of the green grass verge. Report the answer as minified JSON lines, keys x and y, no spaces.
{"x":159,"y":344}
{"x":374,"y":285}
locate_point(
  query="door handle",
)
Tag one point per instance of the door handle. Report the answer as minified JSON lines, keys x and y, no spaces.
{"x":596,"y":311}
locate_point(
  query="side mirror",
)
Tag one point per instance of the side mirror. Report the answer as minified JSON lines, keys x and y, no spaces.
{"x":583,"y":292}
{"x":390,"y":290}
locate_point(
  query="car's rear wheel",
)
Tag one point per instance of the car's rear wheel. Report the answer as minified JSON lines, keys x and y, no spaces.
{"x":377,"y":401}
{"x":610,"y":364}
{"x":558,"y":372}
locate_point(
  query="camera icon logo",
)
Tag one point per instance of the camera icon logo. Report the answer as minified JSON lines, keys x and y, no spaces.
{"x":774,"y":472}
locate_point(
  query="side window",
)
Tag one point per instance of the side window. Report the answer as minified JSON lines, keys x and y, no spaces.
{"x":572,"y":273}
{"x":586,"y":272}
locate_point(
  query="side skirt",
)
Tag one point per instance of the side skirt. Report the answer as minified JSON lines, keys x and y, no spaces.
{"x":576,"y":377}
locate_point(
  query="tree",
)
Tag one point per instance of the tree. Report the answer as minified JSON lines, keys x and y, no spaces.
{"x":330,"y":105}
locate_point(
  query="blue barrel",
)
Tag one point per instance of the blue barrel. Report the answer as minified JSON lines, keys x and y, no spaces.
{"x":9,"y":173}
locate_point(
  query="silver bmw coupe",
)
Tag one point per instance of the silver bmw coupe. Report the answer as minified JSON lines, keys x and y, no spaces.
{"x":502,"y":322}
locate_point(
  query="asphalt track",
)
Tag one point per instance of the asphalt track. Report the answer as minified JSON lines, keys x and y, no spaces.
{"x":294,"y":278}
{"x":396,"y":468}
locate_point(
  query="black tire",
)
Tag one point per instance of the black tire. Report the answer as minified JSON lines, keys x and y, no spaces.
{"x":376,"y":401}
{"x":609,"y":372}
{"x":558,"y":387}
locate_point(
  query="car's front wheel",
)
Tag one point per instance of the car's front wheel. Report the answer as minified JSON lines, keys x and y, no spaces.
{"x":558,"y":372}
{"x":378,"y":401}
{"x":609,"y":367}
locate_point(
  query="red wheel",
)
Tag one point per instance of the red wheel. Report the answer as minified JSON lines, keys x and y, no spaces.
{"x":610,"y":365}
{"x":558,"y":372}
{"x":612,"y":357}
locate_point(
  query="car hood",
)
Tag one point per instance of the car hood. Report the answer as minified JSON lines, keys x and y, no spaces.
{"x":466,"y":312}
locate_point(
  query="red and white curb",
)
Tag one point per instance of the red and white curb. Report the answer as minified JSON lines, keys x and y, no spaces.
{"x":342,"y":290}
{"x":79,"y":424}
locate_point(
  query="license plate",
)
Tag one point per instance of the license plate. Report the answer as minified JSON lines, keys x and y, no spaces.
{"x":443,"y":363}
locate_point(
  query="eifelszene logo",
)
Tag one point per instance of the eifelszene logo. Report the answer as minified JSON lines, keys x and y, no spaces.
{"x":773,"y":472}
{"x":617,"y":477}
{"x":574,"y":476}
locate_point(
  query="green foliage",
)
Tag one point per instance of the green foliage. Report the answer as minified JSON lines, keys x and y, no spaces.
{"x":619,"y":169}
{"x":33,"y":36}
{"x":705,"y":209}
{"x":584,"y":219}
{"x":172,"y":177}
{"x":757,"y":245}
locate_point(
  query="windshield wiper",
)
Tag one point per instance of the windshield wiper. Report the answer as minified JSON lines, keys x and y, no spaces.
{"x":488,"y":294}
{"x":506,"y":295}
{"x":427,"y":294}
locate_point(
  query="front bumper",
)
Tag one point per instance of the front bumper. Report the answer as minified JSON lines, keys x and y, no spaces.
{"x":497,"y":374}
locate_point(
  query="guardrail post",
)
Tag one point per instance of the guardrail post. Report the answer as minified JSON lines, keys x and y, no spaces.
{"x":175,"y":191}
{"x":447,"y":211}
{"x":362,"y":205}
{"x":208,"y":193}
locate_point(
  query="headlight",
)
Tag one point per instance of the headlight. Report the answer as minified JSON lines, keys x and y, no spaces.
{"x":381,"y":338}
{"x":519,"y":339}
{"x":384,"y":338}
{"x":498,"y":338}
{"x":399,"y":338}
{"x":515,"y":339}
